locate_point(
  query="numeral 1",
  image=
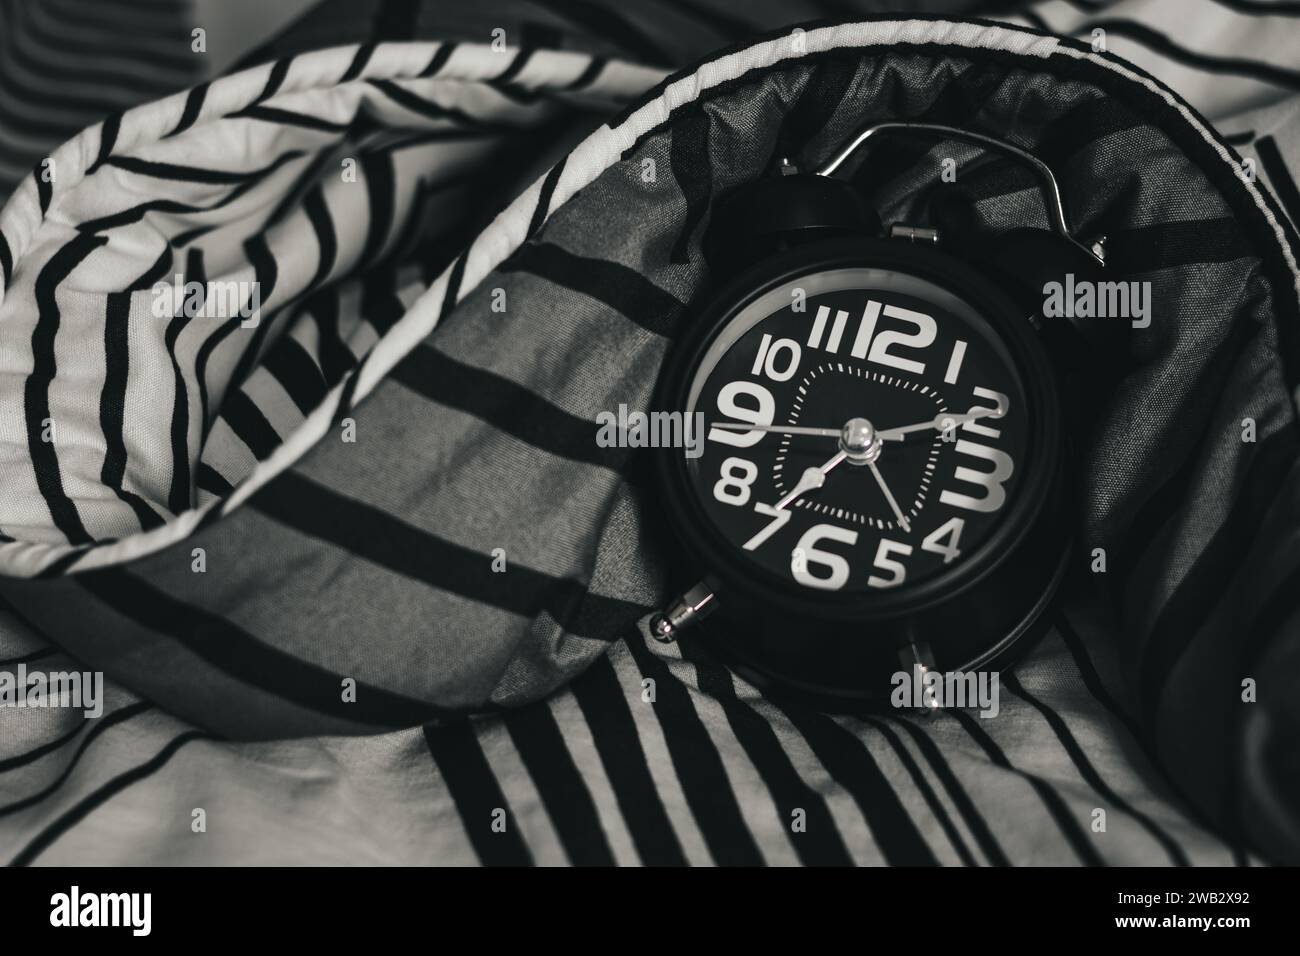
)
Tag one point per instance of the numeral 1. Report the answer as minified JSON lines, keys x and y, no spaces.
{"x":866,"y":330}
{"x":954,"y":363}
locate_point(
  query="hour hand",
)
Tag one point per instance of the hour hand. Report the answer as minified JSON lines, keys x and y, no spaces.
{"x":810,"y":480}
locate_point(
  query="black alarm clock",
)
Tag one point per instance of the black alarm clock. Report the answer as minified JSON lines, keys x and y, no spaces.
{"x":882,"y":483}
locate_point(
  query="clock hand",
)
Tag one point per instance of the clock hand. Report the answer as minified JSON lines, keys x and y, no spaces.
{"x":782,"y":429}
{"x":941,"y":421}
{"x":898,"y":512}
{"x":811,"y":479}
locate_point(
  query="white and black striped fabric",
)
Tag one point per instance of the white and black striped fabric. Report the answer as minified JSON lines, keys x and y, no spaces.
{"x":346,"y":469}
{"x":68,"y":64}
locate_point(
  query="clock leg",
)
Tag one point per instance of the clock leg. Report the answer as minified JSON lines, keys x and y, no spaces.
{"x":693,"y":606}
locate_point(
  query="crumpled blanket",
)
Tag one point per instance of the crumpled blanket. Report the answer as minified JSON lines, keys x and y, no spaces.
{"x":366,"y":591}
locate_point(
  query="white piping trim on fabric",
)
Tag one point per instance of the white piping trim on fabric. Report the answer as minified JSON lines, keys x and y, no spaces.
{"x":1191,"y":119}
{"x":595,"y":154}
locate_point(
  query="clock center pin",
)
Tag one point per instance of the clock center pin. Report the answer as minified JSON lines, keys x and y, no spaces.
{"x":860,"y":442}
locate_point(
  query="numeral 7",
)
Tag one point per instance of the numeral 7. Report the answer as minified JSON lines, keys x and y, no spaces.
{"x":779,"y":515}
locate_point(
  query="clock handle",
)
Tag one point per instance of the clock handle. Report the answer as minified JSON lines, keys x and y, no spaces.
{"x":1050,"y":189}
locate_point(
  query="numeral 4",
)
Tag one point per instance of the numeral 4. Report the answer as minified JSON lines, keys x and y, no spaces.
{"x":951,"y":531}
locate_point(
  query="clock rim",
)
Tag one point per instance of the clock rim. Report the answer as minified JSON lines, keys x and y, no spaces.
{"x":717,"y":559}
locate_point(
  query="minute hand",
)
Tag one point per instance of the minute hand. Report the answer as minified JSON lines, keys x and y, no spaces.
{"x":941,"y":421}
{"x":780,"y":429}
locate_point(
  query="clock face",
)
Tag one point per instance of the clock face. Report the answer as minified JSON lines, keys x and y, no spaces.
{"x":909,"y":431}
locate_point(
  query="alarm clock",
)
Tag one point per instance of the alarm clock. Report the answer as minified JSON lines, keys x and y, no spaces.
{"x":883,"y":482}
